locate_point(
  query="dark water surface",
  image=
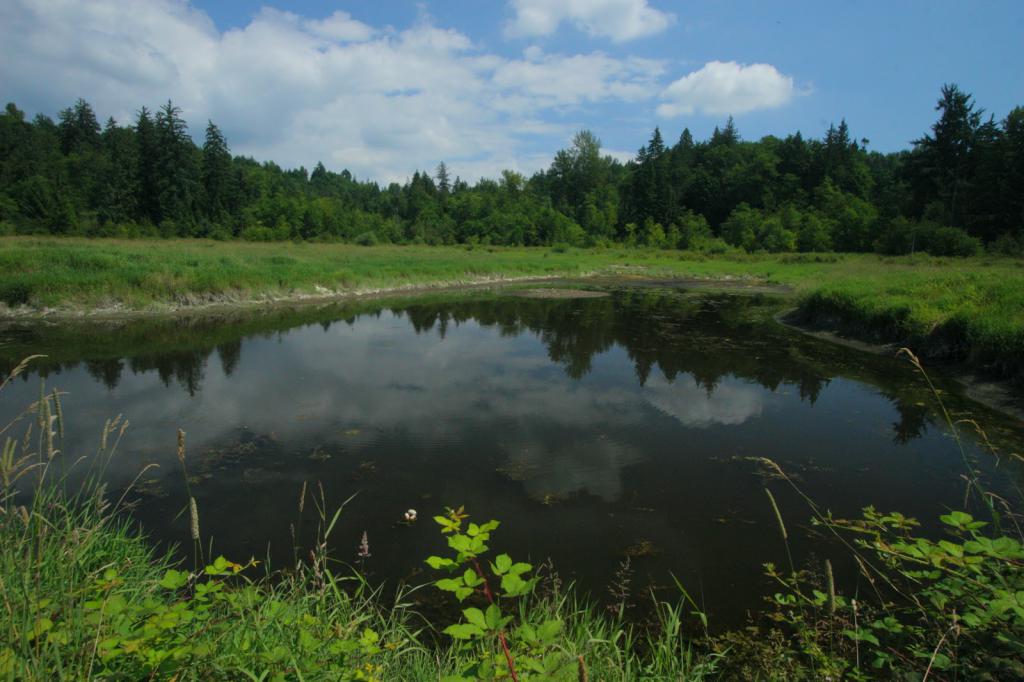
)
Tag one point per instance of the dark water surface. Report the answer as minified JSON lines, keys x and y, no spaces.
{"x":592,"y":428}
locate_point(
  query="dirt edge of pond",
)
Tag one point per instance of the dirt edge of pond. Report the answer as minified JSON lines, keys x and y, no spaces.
{"x":1002,"y":395}
{"x":555,"y":293}
{"x":219,"y":303}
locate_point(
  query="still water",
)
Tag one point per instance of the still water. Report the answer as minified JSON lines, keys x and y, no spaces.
{"x":594,"y":428}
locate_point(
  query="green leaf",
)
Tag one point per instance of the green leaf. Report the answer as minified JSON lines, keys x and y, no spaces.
{"x":470,"y":578}
{"x":493,"y":618}
{"x":437,"y":562}
{"x":531,"y":664}
{"x":463,"y":631}
{"x":41,"y":626}
{"x":502,"y":563}
{"x":514,"y":586}
{"x":549,"y":630}
{"x":957,"y":519}
{"x":460,"y":543}
{"x":519,"y":568}
{"x":475,"y":617}
{"x":174,"y":580}
{"x":861,"y":636}
{"x":307,"y":641}
{"x":449,"y":584}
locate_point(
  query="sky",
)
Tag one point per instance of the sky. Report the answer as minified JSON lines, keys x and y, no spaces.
{"x":387,"y":88}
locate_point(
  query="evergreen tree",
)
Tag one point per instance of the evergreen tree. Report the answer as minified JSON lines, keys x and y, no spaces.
{"x":79,"y":130}
{"x":147,"y":203}
{"x":217,"y":178}
{"x":118,"y":204}
{"x":940,"y":162}
{"x":443,"y":183}
{"x":176,"y":171}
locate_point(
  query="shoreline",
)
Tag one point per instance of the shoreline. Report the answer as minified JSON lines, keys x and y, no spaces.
{"x":1000,"y":395}
{"x":213,"y":304}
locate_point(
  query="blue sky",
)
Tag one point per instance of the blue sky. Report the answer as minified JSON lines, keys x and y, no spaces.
{"x":390,"y":87}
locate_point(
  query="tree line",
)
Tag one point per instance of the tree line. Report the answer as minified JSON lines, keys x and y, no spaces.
{"x":958,"y":189}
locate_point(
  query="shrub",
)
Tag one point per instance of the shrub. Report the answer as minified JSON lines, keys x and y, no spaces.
{"x":257,"y":233}
{"x":367,"y":239}
{"x":15,"y":293}
{"x":692,"y":229}
{"x":952,"y":241}
{"x":1008,"y":245}
{"x":901,"y":237}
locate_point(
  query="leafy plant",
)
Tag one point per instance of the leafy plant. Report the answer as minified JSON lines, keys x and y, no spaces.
{"x":526,"y":651}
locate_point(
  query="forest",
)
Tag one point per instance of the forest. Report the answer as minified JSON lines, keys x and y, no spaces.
{"x":958,"y":190}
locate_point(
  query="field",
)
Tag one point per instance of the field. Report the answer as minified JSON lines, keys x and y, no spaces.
{"x":946,"y":308}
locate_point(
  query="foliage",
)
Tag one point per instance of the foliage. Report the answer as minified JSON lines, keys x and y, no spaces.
{"x":527,"y":651}
{"x":902,"y":236}
{"x":150,"y":177}
{"x":953,"y":606}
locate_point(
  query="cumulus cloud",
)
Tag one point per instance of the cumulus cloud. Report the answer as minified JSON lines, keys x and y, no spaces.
{"x":558,"y":80}
{"x":618,"y":20}
{"x":376,"y":100}
{"x":727,"y":88}
{"x":732,"y":402}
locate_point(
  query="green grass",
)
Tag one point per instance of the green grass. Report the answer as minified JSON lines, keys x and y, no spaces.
{"x":958,"y":309}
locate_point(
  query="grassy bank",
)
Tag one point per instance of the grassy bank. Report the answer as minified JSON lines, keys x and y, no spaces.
{"x":950,"y":309}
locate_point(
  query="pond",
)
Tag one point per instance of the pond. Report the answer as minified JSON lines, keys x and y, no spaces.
{"x":622,"y":424}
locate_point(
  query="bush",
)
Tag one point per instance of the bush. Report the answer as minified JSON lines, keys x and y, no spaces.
{"x":220,"y":233}
{"x":367,"y":239}
{"x":692,"y":229}
{"x":952,"y":241}
{"x":752,"y":230}
{"x":1008,"y":245}
{"x":257,"y":233}
{"x":15,"y":293}
{"x":712,"y":246}
{"x":814,"y":233}
{"x":901,"y":237}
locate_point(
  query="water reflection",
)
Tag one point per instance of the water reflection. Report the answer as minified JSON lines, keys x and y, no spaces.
{"x":729,"y":403}
{"x":585,"y":424}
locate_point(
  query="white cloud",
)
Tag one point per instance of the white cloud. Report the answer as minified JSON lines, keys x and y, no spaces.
{"x":340,"y":26}
{"x":618,"y":20}
{"x":727,"y":88}
{"x":378,"y":101}
{"x":558,"y":80}
{"x":732,"y":402}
